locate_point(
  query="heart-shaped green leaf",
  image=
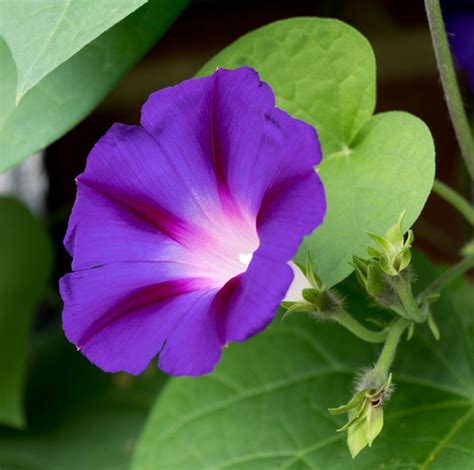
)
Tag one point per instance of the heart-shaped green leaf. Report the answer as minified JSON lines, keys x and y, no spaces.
{"x":43,"y":35}
{"x":265,"y":406}
{"x":68,"y":93}
{"x":323,"y":72}
{"x":25,"y":264}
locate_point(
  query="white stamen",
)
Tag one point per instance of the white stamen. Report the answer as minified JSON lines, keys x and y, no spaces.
{"x":245,"y":258}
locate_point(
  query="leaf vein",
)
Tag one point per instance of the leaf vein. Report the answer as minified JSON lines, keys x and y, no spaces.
{"x":271,"y":387}
{"x":457,"y":426}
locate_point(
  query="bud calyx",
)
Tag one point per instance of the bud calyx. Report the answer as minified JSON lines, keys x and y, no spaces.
{"x":365,"y":416}
{"x":393,"y":251}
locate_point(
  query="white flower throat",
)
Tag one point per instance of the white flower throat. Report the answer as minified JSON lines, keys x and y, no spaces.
{"x":245,"y":258}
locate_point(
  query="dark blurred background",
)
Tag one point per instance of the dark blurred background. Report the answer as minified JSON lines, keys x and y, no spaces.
{"x":406,"y":80}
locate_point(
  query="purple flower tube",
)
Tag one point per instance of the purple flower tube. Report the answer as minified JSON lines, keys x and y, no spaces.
{"x":183,"y":227}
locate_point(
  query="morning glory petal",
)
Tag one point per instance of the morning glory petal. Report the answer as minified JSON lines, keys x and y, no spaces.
{"x":183,"y":227}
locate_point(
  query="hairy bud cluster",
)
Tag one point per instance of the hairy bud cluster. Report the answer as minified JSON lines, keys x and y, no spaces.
{"x":365,"y":412}
{"x":393,"y":253}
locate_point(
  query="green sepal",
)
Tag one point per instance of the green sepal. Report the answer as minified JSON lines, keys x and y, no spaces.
{"x":431,"y":298}
{"x":376,"y":285}
{"x":312,"y":296}
{"x":365,"y":416}
{"x":395,"y":255}
{"x":410,"y":238}
{"x":312,"y":277}
{"x":394,"y":234}
{"x":375,"y":281}
{"x":356,"y":438}
{"x":321,"y":302}
{"x":370,"y":276}
{"x":434,"y":327}
{"x":386,"y":266}
{"x":372,"y":252}
{"x":286,"y":304}
{"x":295,"y":307}
{"x":360,"y":266}
{"x":364,"y":429}
{"x":382,"y":389}
{"x":404,"y":258}
{"x":353,"y":415}
{"x":374,"y":424}
{"x":410,"y":331}
{"x":384,"y":244}
{"x":358,"y":398}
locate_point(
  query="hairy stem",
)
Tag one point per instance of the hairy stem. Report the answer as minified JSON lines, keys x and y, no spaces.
{"x":455,"y":199}
{"x":450,"y":84}
{"x":410,"y":305}
{"x":446,"y":278}
{"x":359,"y":330}
{"x":385,"y":360}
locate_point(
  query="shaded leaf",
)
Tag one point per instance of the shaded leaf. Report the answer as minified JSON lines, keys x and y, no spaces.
{"x":266,"y":404}
{"x":67,"y":94}
{"x":79,"y":418}
{"x":25,"y":265}
{"x":42,"y":35}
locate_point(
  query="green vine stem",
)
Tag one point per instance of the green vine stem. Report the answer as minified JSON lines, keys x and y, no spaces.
{"x":403,"y":290}
{"x":359,"y":330}
{"x":455,"y":199}
{"x":450,"y":84}
{"x":385,"y":360}
{"x":446,"y":278}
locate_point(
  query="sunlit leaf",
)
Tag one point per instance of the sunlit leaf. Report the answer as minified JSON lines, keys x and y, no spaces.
{"x":323,"y":72}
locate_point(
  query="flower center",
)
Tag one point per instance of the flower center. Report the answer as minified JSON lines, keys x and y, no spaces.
{"x":245,"y":258}
{"x":229,"y":251}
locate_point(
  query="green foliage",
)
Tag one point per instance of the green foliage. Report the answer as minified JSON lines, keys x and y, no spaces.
{"x":62,"y":92}
{"x":266,"y":404}
{"x":395,"y":254}
{"x":79,"y":418}
{"x":25,"y":255}
{"x":41,"y":36}
{"x":323,"y":72}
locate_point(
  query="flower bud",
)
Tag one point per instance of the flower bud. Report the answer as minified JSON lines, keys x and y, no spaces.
{"x":312,"y":277}
{"x":365,"y":414}
{"x":372,"y":278}
{"x":394,"y":255}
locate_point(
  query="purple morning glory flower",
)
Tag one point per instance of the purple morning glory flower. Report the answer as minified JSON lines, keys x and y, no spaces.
{"x":183,"y":227}
{"x":460,"y":29}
